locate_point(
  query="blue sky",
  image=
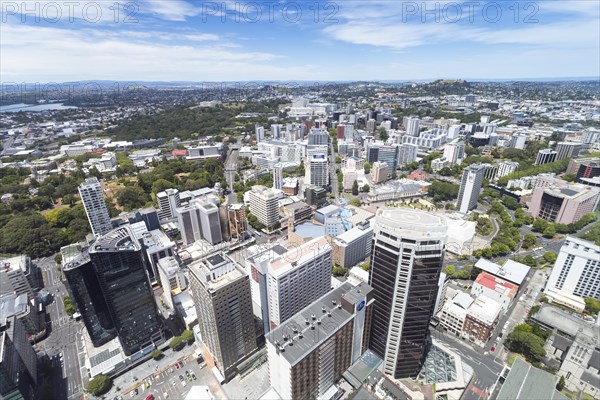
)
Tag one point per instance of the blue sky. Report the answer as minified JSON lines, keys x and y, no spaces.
{"x":149,"y":40}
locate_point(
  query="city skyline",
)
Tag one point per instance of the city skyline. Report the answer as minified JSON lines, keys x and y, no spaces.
{"x":232,"y":41}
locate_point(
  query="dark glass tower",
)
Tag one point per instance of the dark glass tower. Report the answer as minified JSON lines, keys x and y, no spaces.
{"x":85,"y":290}
{"x":407,"y":256}
{"x":119,"y":265}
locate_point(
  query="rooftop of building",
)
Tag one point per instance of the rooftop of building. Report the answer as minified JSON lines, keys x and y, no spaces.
{"x":90,"y":182}
{"x":73,"y":256}
{"x":203,"y":270}
{"x":297,"y":205}
{"x":311,"y":327}
{"x":119,"y":239}
{"x":415,"y":223}
{"x":573,"y":191}
{"x":565,"y":322}
{"x":398,"y":185}
{"x":525,"y":382}
{"x":329,"y":209}
{"x":13,"y":263}
{"x":298,"y":255}
{"x":496,"y":284}
{"x":12,"y":304}
{"x":169,"y":264}
{"x":352,"y":234}
{"x":511,"y":271}
{"x":308,"y":229}
{"x":156,"y":239}
{"x":485,"y":309}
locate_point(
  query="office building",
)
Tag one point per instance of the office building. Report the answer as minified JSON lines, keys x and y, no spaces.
{"x":506,"y":168}
{"x":259,"y":131}
{"x":453,"y":132}
{"x":30,"y":315}
{"x":406,"y":262}
{"x":389,"y":155}
{"x":157,"y":246}
{"x":237,"y":220}
{"x":91,"y":195}
{"x":584,"y":168}
{"x":411,"y":124}
{"x":310,"y":352}
{"x":454,"y":152}
{"x":314,"y":195}
{"x":567,"y":150}
{"x":119,"y":265}
{"x":257,"y":267}
{"x":277,"y":176}
{"x":379,"y":172}
{"x":221,"y":292}
{"x":85,"y":289}
{"x":545,"y":156}
{"x":352,"y":246}
{"x":199,"y":220}
{"x":562,"y":202}
{"x":577,"y":269}
{"x":18,"y":362}
{"x":470,"y":186}
{"x":168,"y":201}
{"x":317,"y":170}
{"x":264,"y":205}
{"x":497,"y":289}
{"x":525,"y":382}
{"x":172,"y":279}
{"x":204,"y":152}
{"x":297,"y":278}
{"x":16,"y":276}
{"x":407,"y":154}
{"x":318,"y":137}
{"x":518,"y":141}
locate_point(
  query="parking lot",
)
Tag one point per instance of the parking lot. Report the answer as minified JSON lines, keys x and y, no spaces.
{"x":173,"y":381}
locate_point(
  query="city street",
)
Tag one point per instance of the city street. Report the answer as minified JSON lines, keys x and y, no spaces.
{"x":59,"y":345}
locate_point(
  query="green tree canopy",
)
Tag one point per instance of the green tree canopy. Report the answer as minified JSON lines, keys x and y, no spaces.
{"x":98,"y":385}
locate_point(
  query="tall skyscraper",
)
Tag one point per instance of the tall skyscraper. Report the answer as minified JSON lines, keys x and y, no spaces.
{"x":264,"y":205}
{"x":238,"y":224}
{"x":260,"y":133}
{"x":545,"y":156}
{"x":85,"y":289}
{"x":566,"y":150}
{"x":168,"y":201}
{"x":309,"y":353}
{"x":407,"y":257}
{"x":18,"y":362}
{"x":297,"y":278}
{"x":470,"y":186}
{"x":454,"y":152}
{"x":95,"y":207}
{"x":221,"y":292}
{"x":119,"y":266}
{"x":317,"y":170}
{"x":577,"y":269}
{"x":407,"y":153}
{"x":411,"y":124}
{"x":199,"y":220}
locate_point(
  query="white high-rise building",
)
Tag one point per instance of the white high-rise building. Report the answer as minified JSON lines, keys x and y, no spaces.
{"x":276,"y":131}
{"x":566,"y":150}
{"x":260,"y":133}
{"x":406,"y":263}
{"x":577,"y":269}
{"x":470,"y":186}
{"x":264,"y":205}
{"x":297,"y":278}
{"x":407,"y":153}
{"x":317,"y":170}
{"x":506,"y":168}
{"x":199,"y":220}
{"x":411,"y":124}
{"x":453,"y":132}
{"x":90,"y":192}
{"x":454,"y":152}
{"x":168,"y":201}
{"x":518,"y":141}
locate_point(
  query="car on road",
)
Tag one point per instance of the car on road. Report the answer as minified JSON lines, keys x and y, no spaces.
{"x":193,"y":376}
{"x":134,"y":392}
{"x":177,"y":365}
{"x":181,"y":378}
{"x":180,"y":364}
{"x":187,"y":373}
{"x":150,"y":397}
{"x":147,"y":384}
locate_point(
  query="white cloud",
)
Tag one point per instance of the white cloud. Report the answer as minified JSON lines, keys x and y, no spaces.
{"x":52,"y":54}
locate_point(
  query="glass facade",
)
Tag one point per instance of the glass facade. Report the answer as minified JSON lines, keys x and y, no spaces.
{"x":85,"y":289}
